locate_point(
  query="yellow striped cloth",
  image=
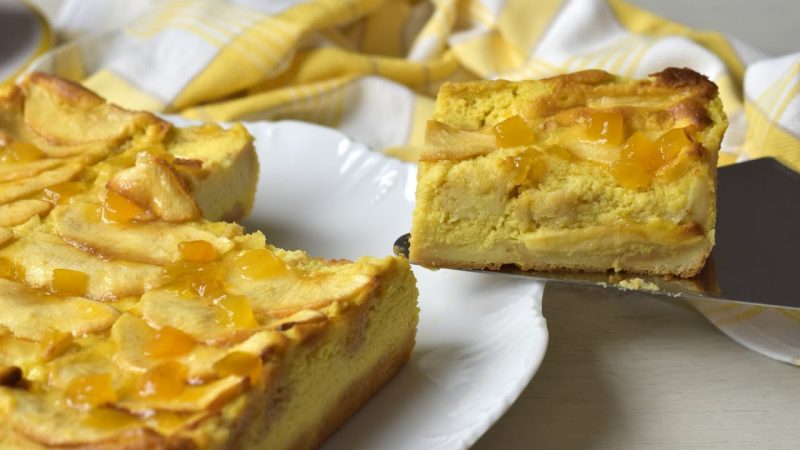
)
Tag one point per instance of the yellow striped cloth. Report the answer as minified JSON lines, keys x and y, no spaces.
{"x":372,"y":67}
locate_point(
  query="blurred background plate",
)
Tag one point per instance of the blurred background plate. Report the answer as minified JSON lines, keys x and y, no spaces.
{"x":24,"y":35}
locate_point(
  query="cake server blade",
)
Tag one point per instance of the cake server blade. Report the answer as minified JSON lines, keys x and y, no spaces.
{"x":755,"y":259}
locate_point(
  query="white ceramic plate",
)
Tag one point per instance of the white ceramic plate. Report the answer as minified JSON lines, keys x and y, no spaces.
{"x":481,"y":337}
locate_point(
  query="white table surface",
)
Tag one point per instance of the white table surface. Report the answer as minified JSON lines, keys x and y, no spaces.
{"x":632,"y":372}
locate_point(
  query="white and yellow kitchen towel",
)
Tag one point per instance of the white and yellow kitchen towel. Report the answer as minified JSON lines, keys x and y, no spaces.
{"x":371,"y":68}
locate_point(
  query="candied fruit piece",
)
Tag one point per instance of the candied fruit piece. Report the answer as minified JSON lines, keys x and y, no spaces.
{"x":529,"y":165}
{"x":638,"y":162}
{"x":641,"y":150}
{"x":260,"y":263}
{"x":240,"y":364}
{"x":58,"y":194}
{"x":90,"y":390}
{"x":117,"y":208}
{"x":631,"y":175}
{"x":169,"y":341}
{"x":198,"y":251}
{"x":513,"y":132}
{"x":190,"y":279}
{"x":20,"y":152}
{"x":54,"y":343}
{"x":671,"y":143}
{"x":108,"y":418}
{"x":69,"y":282}
{"x":164,"y":380}
{"x":606,"y":127}
{"x":234,"y":311}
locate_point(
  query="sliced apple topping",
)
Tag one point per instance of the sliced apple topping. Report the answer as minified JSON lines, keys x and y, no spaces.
{"x":65,"y":113}
{"x":21,"y":211}
{"x":197,"y":317}
{"x":54,"y":343}
{"x":38,"y":254}
{"x":153,"y":182}
{"x":443,"y":141}
{"x":18,"y":352}
{"x":281,"y":296}
{"x":89,"y":354}
{"x":20,"y":152}
{"x":16,"y":171}
{"x":29,"y":313}
{"x":35,"y":416}
{"x":15,"y":189}
{"x":133,"y":338}
{"x":134,"y":242}
{"x":241,"y":364}
{"x":204,"y":397}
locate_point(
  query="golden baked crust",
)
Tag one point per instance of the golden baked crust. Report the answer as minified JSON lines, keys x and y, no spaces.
{"x":129,"y":320}
{"x":636,"y":191}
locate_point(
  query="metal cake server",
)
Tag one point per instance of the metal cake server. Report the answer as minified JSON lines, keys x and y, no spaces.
{"x":756,"y":259}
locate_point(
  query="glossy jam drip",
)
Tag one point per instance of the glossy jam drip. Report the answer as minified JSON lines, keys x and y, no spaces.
{"x":234,"y":311}
{"x":91,"y":390}
{"x":54,"y":343}
{"x":513,"y":132}
{"x":240,"y":364}
{"x":190,"y":279}
{"x":671,"y":143}
{"x":20,"y":152}
{"x":69,"y":282}
{"x":529,"y":166}
{"x":119,"y":209}
{"x":164,"y":380}
{"x":639,"y":159}
{"x":169,"y":342}
{"x":59,"y":194}
{"x":606,"y":128}
{"x":108,"y":418}
{"x":198,"y":251}
{"x":259,"y":264}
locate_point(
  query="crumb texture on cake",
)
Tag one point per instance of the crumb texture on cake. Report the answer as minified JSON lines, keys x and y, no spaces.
{"x":130,"y":318}
{"x":583,"y":171}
